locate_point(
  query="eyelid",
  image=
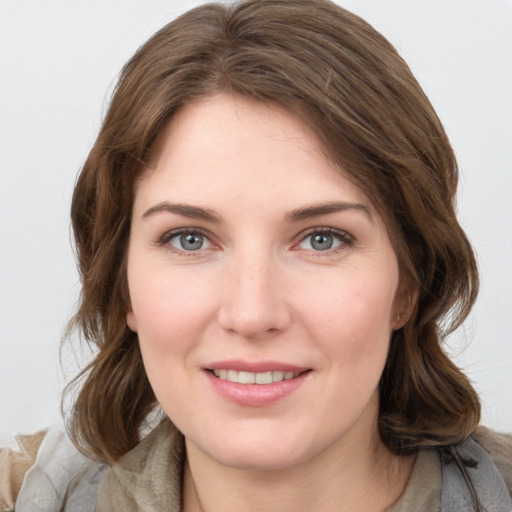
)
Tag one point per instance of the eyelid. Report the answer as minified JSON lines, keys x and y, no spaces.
{"x":347,"y":240}
{"x":172,"y":233}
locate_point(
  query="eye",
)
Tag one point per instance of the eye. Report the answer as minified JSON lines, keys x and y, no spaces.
{"x":325,"y":240}
{"x":187,"y":241}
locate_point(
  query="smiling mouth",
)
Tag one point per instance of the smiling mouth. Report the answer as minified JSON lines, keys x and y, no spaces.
{"x":243,"y":377}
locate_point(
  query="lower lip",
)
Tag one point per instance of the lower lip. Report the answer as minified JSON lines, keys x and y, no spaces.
{"x":255,"y":395}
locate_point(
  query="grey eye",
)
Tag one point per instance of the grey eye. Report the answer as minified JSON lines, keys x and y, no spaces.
{"x":319,"y":241}
{"x":191,"y":241}
{"x":322,"y":241}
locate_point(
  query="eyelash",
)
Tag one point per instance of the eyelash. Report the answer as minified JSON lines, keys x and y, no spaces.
{"x":346,"y":240}
{"x":167,"y":237}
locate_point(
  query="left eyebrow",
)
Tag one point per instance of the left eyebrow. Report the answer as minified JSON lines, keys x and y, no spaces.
{"x":185,"y":210}
{"x":317,"y":210}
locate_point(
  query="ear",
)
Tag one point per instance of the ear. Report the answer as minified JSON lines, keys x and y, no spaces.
{"x":405,"y":303}
{"x":131,"y":320}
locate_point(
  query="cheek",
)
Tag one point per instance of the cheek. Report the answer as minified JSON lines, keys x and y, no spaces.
{"x":169,"y":308}
{"x":170,"y":316}
{"x":352,"y":316}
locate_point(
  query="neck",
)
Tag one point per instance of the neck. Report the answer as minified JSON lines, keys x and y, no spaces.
{"x":350,"y":477}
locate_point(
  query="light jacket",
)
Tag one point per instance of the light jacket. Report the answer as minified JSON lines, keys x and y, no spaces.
{"x":149,"y":477}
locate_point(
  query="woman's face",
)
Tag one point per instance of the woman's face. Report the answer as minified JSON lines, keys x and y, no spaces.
{"x":262,"y":286}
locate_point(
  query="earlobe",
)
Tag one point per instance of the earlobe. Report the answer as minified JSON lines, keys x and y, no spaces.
{"x":131,"y":321}
{"x":405,"y":305}
{"x":397,"y":322}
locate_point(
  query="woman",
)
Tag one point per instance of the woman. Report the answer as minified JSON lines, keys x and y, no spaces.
{"x":268,"y":246}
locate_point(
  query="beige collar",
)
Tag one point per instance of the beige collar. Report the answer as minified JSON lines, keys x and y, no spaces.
{"x":149,"y":478}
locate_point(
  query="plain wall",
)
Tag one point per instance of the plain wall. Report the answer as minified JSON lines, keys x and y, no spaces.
{"x":59,"y":58}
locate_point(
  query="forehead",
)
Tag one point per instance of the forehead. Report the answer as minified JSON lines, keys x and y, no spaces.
{"x":228,"y":136}
{"x":228,"y":147}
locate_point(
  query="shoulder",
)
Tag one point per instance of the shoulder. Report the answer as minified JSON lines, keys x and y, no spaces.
{"x":49,"y":474}
{"x":475,"y":472}
{"x":13,"y":466}
{"x":499,"y":447}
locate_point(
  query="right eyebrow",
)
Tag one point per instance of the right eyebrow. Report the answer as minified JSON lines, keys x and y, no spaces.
{"x":185,"y":210}
{"x":318,"y":210}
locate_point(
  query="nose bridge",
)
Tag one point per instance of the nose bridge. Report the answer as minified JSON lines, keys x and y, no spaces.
{"x":254,"y":302}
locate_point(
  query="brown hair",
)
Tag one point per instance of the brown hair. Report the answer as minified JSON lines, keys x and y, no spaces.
{"x":345,"y":81}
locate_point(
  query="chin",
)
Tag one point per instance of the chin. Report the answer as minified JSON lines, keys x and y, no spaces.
{"x":257,"y":460}
{"x":259,"y":449}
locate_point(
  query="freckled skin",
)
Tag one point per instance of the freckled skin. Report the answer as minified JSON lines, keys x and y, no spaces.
{"x":258,"y":289}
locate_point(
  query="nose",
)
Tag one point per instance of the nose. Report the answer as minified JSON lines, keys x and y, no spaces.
{"x":254,"y":304}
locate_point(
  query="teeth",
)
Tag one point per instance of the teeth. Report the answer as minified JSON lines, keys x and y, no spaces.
{"x":254,"y":378}
{"x":246,"y":377}
{"x":264,"y":378}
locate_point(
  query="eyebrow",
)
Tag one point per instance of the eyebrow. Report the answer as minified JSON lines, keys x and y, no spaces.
{"x":303,"y":213}
{"x":309,"y":212}
{"x":185,"y":210}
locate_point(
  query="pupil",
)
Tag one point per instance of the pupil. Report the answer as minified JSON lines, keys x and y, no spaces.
{"x":322,"y":242}
{"x":192,"y":241}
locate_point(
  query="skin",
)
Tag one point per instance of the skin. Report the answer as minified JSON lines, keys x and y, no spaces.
{"x":261,"y":287}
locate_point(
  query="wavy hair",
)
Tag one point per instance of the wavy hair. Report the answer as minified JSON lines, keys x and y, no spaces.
{"x":349,"y":85}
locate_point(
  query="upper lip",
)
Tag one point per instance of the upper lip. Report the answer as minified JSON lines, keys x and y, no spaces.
{"x":256,"y":367}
